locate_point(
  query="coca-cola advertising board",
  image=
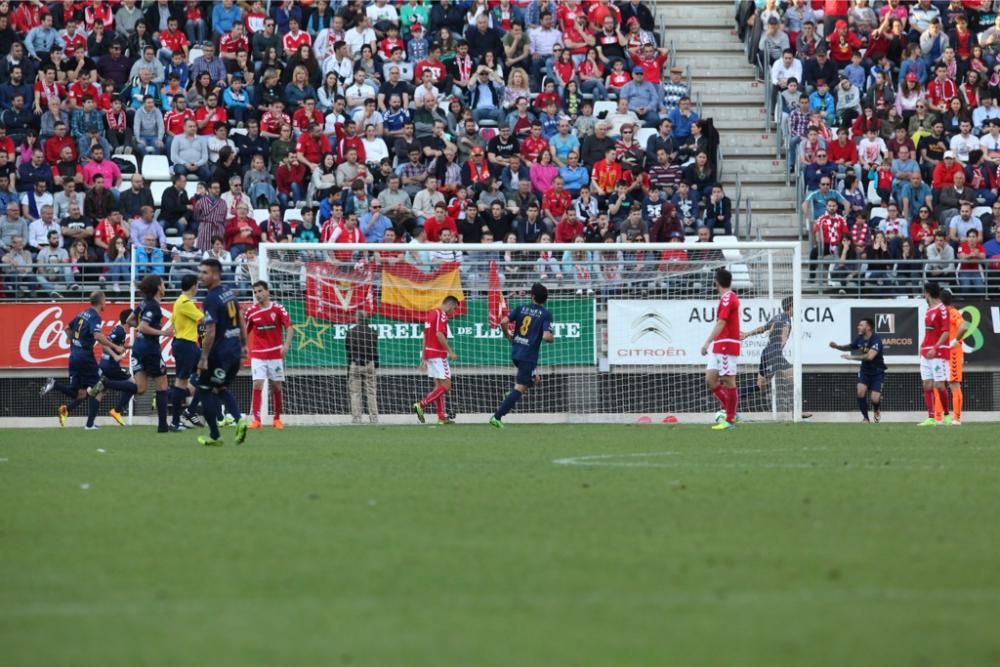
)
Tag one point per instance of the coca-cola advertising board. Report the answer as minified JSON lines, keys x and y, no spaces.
{"x":33,"y":332}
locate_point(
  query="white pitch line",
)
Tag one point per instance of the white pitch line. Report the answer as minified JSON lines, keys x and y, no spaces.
{"x":612,"y":461}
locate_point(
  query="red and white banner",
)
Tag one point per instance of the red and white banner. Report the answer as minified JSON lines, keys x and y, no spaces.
{"x":33,"y":333}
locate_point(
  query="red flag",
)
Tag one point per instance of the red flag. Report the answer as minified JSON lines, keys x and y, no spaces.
{"x":496,"y":304}
{"x":335,"y":294}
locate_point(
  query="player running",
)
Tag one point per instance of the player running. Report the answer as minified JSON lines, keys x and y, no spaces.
{"x":113,"y":376}
{"x":434,"y":362}
{"x":720,"y":374}
{"x":871,"y":375}
{"x":84,"y":332}
{"x":184,"y":320}
{"x":772,"y":359}
{"x":222,"y":348}
{"x":532,"y":325}
{"x":934,"y":353}
{"x":268,"y":322}
{"x":147,"y":358}
{"x":957,"y":326}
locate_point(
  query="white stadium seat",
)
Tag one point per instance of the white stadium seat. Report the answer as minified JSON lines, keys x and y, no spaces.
{"x":644,"y":134}
{"x":260,"y":214}
{"x":604,"y":105}
{"x":158,"y":188}
{"x":156,"y":168}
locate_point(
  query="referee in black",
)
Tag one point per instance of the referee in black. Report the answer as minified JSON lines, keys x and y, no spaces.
{"x":361,"y":345}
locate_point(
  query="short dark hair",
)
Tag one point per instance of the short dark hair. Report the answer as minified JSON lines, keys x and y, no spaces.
{"x":723,"y":277}
{"x":213,"y":263}
{"x":96,"y":298}
{"x":188,"y":281}
{"x":786,"y":303}
{"x":261,"y":283}
{"x":540,"y":293}
{"x":870,"y":322}
{"x":150,"y":285}
{"x":946,"y":296}
{"x":451,"y":299}
{"x":933,"y":290}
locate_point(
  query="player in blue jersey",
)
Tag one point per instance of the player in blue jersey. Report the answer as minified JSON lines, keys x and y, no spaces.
{"x":84,"y":331}
{"x":867,"y":348}
{"x":147,"y":357}
{"x":532,"y":325}
{"x":222,"y":348}
{"x":113,"y":376}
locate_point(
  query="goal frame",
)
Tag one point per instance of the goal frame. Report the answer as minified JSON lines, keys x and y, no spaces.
{"x":264,"y":250}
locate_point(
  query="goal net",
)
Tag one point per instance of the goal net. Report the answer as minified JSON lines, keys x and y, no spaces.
{"x":629,"y":323}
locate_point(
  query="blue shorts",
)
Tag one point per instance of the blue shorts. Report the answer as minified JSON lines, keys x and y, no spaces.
{"x":221,"y":371}
{"x":113,"y":371}
{"x":525,"y":372}
{"x":872,"y":380}
{"x":83,"y":373}
{"x":148,"y":362}
{"x":186,"y":355}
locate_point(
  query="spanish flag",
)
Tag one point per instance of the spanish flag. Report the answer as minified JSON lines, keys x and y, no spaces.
{"x":408,"y":293}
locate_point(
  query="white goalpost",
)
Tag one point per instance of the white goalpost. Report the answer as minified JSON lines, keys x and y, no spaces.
{"x":630,"y":319}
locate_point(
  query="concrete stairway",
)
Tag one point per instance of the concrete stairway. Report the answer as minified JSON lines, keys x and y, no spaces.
{"x":704,"y":38}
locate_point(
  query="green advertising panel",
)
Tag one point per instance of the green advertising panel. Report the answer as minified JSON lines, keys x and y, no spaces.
{"x":319,"y":343}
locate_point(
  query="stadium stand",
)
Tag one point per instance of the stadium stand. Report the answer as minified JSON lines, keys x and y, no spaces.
{"x":329,"y":109}
{"x":890,"y":110}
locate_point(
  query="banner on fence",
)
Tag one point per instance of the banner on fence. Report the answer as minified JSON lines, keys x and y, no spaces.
{"x":671,"y":333}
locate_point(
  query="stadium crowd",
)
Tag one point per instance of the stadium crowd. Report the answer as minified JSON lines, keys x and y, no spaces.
{"x":891,"y":111}
{"x":189,"y":129}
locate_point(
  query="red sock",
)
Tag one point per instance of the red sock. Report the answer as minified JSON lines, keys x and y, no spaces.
{"x":945,"y":399}
{"x":255,"y":405}
{"x":432,"y":396}
{"x":734,"y":399}
{"x":721,"y":395}
{"x":276,"y":396}
{"x":440,"y":407}
{"x":929,"y":401}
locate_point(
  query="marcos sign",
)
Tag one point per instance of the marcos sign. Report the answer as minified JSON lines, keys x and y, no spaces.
{"x":671,"y":333}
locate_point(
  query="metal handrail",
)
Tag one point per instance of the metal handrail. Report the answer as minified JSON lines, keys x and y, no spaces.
{"x":901,"y":277}
{"x":698,"y":103}
{"x":688,"y":77}
{"x":738,"y":201}
{"x":800,"y":188}
{"x":749,"y":215}
{"x":768,"y":98}
{"x":719,"y":159}
{"x":672,"y":56}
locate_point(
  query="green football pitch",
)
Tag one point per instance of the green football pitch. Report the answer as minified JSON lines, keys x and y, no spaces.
{"x":539,"y":545}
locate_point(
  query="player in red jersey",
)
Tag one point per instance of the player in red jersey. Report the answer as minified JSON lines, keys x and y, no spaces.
{"x":934,"y":353}
{"x":437,"y":352}
{"x":270,"y":331}
{"x":720,"y":374}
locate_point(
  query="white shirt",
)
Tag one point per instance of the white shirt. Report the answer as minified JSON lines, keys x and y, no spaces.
{"x":38,"y":233}
{"x":962,"y":146}
{"x":422,"y":92}
{"x":344,"y":68}
{"x":384,"y":13}
{"x":355,"y":39}
{"x":781,"y":73}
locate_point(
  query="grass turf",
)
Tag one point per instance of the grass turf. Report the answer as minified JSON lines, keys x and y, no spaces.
{"x":812,"y":544}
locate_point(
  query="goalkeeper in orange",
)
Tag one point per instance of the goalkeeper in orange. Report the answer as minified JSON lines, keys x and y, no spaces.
{"x":957,"y":326}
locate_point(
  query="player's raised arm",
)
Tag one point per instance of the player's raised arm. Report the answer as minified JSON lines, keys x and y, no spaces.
{"x":842,"y":348}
